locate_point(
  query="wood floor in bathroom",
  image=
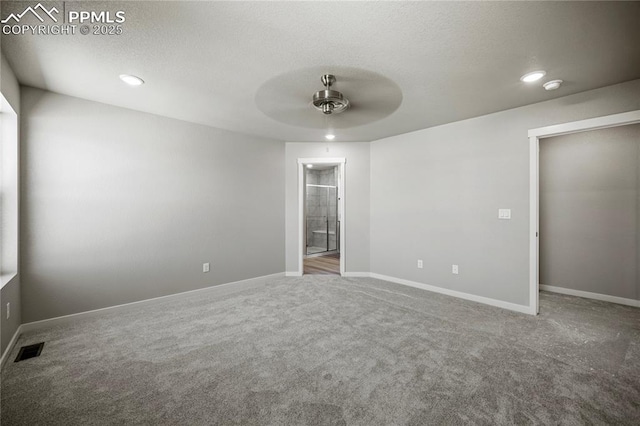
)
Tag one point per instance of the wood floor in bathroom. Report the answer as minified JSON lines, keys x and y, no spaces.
{"x":327,"y":265}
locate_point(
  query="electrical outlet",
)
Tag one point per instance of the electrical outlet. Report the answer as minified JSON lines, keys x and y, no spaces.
{"x":419,"y":264}
{"x":454,"y":269}
{"x":8,"y":310}
{"x":205,"y":267}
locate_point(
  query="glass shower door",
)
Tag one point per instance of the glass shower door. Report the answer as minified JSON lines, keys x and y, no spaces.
{"x":332,"y":218}
{"x":322,"y":218}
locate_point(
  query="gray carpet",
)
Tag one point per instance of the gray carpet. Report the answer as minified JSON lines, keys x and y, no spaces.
{"x":323,"y":350}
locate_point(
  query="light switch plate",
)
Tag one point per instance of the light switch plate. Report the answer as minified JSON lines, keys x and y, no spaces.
{"x":504,"y":213}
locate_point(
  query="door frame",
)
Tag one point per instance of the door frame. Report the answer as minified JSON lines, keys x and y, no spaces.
{"x":614,"y":120}
{"x":340,"y":163}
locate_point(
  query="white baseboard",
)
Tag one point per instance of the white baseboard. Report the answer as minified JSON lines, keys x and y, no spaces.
{"x":9,"y":348}
{"x":474,"y":298}
{"x":221,"y":290}
{"x":356,"y":275}
{"x":589,"y":295}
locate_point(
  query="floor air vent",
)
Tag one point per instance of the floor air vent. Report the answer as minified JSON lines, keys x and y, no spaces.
{"x":30,"y":351}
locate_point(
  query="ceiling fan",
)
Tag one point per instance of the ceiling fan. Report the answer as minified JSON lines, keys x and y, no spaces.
{"x":329,"y":101}
{"x":288,"y":98}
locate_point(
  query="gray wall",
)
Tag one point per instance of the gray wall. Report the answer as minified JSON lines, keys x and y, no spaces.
{"x":120,"y":206}
{"x":435,"y":195}
{"x":589,"y":195}
{"x":356,"y":199}
{"x":10,"y":292}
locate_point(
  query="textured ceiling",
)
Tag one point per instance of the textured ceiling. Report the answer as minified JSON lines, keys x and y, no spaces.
{"x":219,"y":63}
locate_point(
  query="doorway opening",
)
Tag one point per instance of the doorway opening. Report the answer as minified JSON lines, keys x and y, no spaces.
{"x":322,"y":220}
{"x":321,"y":216}
{"x":615,"y":120}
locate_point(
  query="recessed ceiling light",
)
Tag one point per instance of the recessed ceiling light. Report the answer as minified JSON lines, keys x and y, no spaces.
{"x":309,"y":166}
{"x":330,"y":136}
{"x":131,"y":80}
{"x":533,"y":76}
{"x":552,"y":85}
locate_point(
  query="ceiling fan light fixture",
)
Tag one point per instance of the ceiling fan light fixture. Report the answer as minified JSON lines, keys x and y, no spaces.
{"x":329,"y":101}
